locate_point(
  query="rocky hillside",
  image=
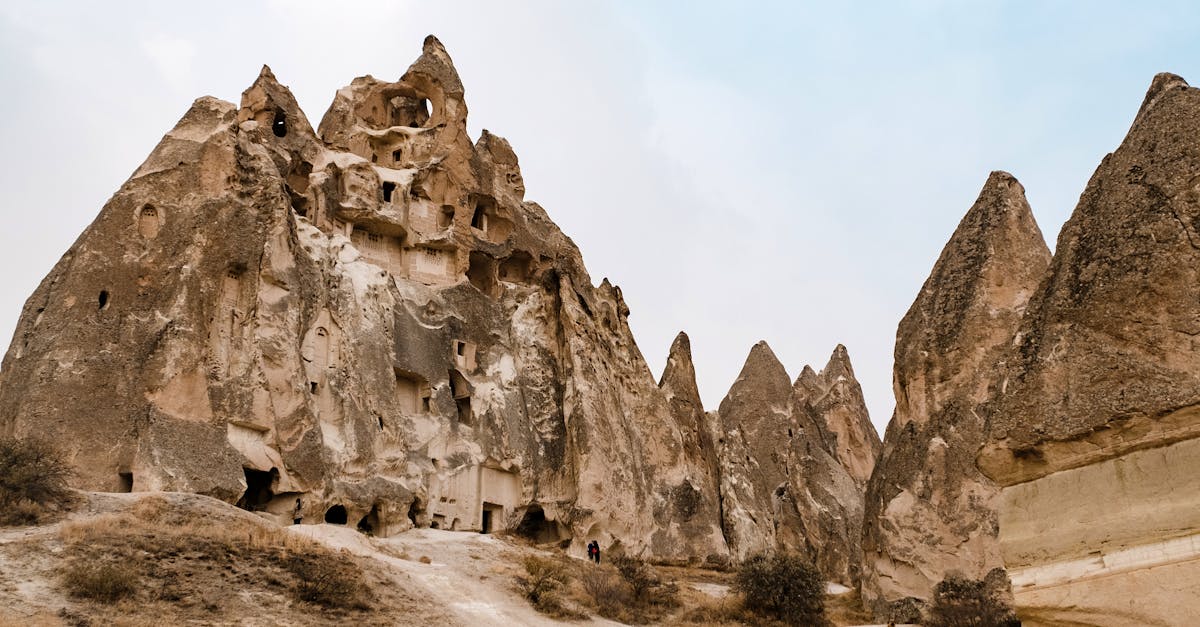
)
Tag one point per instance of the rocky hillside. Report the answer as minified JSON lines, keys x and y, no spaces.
{"x":370,"y":320}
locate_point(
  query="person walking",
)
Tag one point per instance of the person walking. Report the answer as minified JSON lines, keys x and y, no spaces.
{"x":596,"y":551}
{"x":591,"y":550}
{"x":298,"y":514}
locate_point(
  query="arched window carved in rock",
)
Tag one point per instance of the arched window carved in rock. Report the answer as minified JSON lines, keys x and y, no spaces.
{"x":148,"y":221}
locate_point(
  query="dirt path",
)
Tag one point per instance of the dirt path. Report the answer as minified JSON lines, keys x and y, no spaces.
{"x":469,"y":574}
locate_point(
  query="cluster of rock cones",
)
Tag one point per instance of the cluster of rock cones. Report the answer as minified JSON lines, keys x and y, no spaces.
{"x":371,"y":318}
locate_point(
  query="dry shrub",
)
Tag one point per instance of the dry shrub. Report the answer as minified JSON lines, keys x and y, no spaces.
{"x":644,"y":583}
{"x":782,"y":587}
{"x":609,"y":594}
{"x":33,"y":481}
{"x":628,"y":590}
{"x":542,"y":585}
{"x":962,"y":602}
{"x":105,"y":582}
{"x":325,"y":580}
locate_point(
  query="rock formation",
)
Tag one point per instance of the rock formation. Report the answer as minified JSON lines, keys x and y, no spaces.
{"x":836,"y":395}
{"x":694,"y":503}
{"x":1093,"y":431}
{"x":782,"y":487}
{"x":929,"y":512}
{"x":369,"y":317}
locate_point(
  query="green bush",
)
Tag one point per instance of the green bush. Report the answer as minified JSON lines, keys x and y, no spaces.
{"x":961,"y":602}
{"x":104,"y":582}
{"x":33,"y":479}
{"x":783,"y":587}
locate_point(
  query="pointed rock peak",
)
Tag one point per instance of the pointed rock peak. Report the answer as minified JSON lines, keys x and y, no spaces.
{"x":434,"y":65}
{"x":999,"y":229}
{"x":838,"y":366}
{"x":682,"y":346}
{"x":761,"y":389}
{"x":808,"y":385}
{"x":273,"y":107}
{"x":679,"y":376}
{"x":761,"y":353}
{"x":1162,"y":84}
{"x":762,"y":364}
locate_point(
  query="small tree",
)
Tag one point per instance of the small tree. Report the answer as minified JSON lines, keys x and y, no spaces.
{"x":784,"y":587}
{"x":32,"y":472}
{"x":961,"y":602}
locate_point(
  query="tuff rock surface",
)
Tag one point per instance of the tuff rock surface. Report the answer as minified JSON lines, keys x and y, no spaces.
{"x":370,"y":317}
{"x":929,"y":512}
{"x":782,"y":486}
{"x":1092,"y":431}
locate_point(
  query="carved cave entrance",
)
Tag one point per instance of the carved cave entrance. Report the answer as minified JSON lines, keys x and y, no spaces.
{"x":369,"y":524}
{"x":336,"y":515}
{"x":491,"y":517}
{"x":258,"y":489}
{"x":536,"y":527}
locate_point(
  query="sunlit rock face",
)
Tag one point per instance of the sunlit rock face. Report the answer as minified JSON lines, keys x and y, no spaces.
{"x":929,"y":511}
{"x":368,"y":317}
{"x":1092,"y":431}
{"x":782,"y":486}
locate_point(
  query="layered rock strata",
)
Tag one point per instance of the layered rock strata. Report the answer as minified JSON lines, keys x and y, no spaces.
{"x":929,"y":511}
{"x":368,"y":317}
{"x":1093,"y":431}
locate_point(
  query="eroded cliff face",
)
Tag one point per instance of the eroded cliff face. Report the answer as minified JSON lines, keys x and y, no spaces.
{"x":695,"y":502}
{"x":782,"y":486}
{"x":370,"y":318}
{"x":929,"y":512}
{"x":836,"y":395}
{"x":1092,"y":432}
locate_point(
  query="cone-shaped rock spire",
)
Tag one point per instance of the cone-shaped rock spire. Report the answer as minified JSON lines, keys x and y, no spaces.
{"x":928,"y":510}
{"x":781,"y":489}
{"x":695,"y":501}
{"x":853,"y":439}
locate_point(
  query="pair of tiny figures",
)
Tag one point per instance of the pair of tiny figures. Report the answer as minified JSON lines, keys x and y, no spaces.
{"x":594,"y":551}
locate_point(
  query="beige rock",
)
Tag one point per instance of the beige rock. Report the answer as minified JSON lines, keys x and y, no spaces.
{"x":370,"y":318}
{"x":836,"y":395}
{"x":929,"y":512}
{"x":781,"y":487}
{"x":1093,"y":430}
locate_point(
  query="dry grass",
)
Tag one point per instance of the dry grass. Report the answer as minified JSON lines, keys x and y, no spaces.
{"x":847,"y":609}
{"x":105,"y":582}
{"x":167,"y":554}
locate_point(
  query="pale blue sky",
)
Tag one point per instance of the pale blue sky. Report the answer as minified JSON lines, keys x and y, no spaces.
{"x":745,"y":171}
